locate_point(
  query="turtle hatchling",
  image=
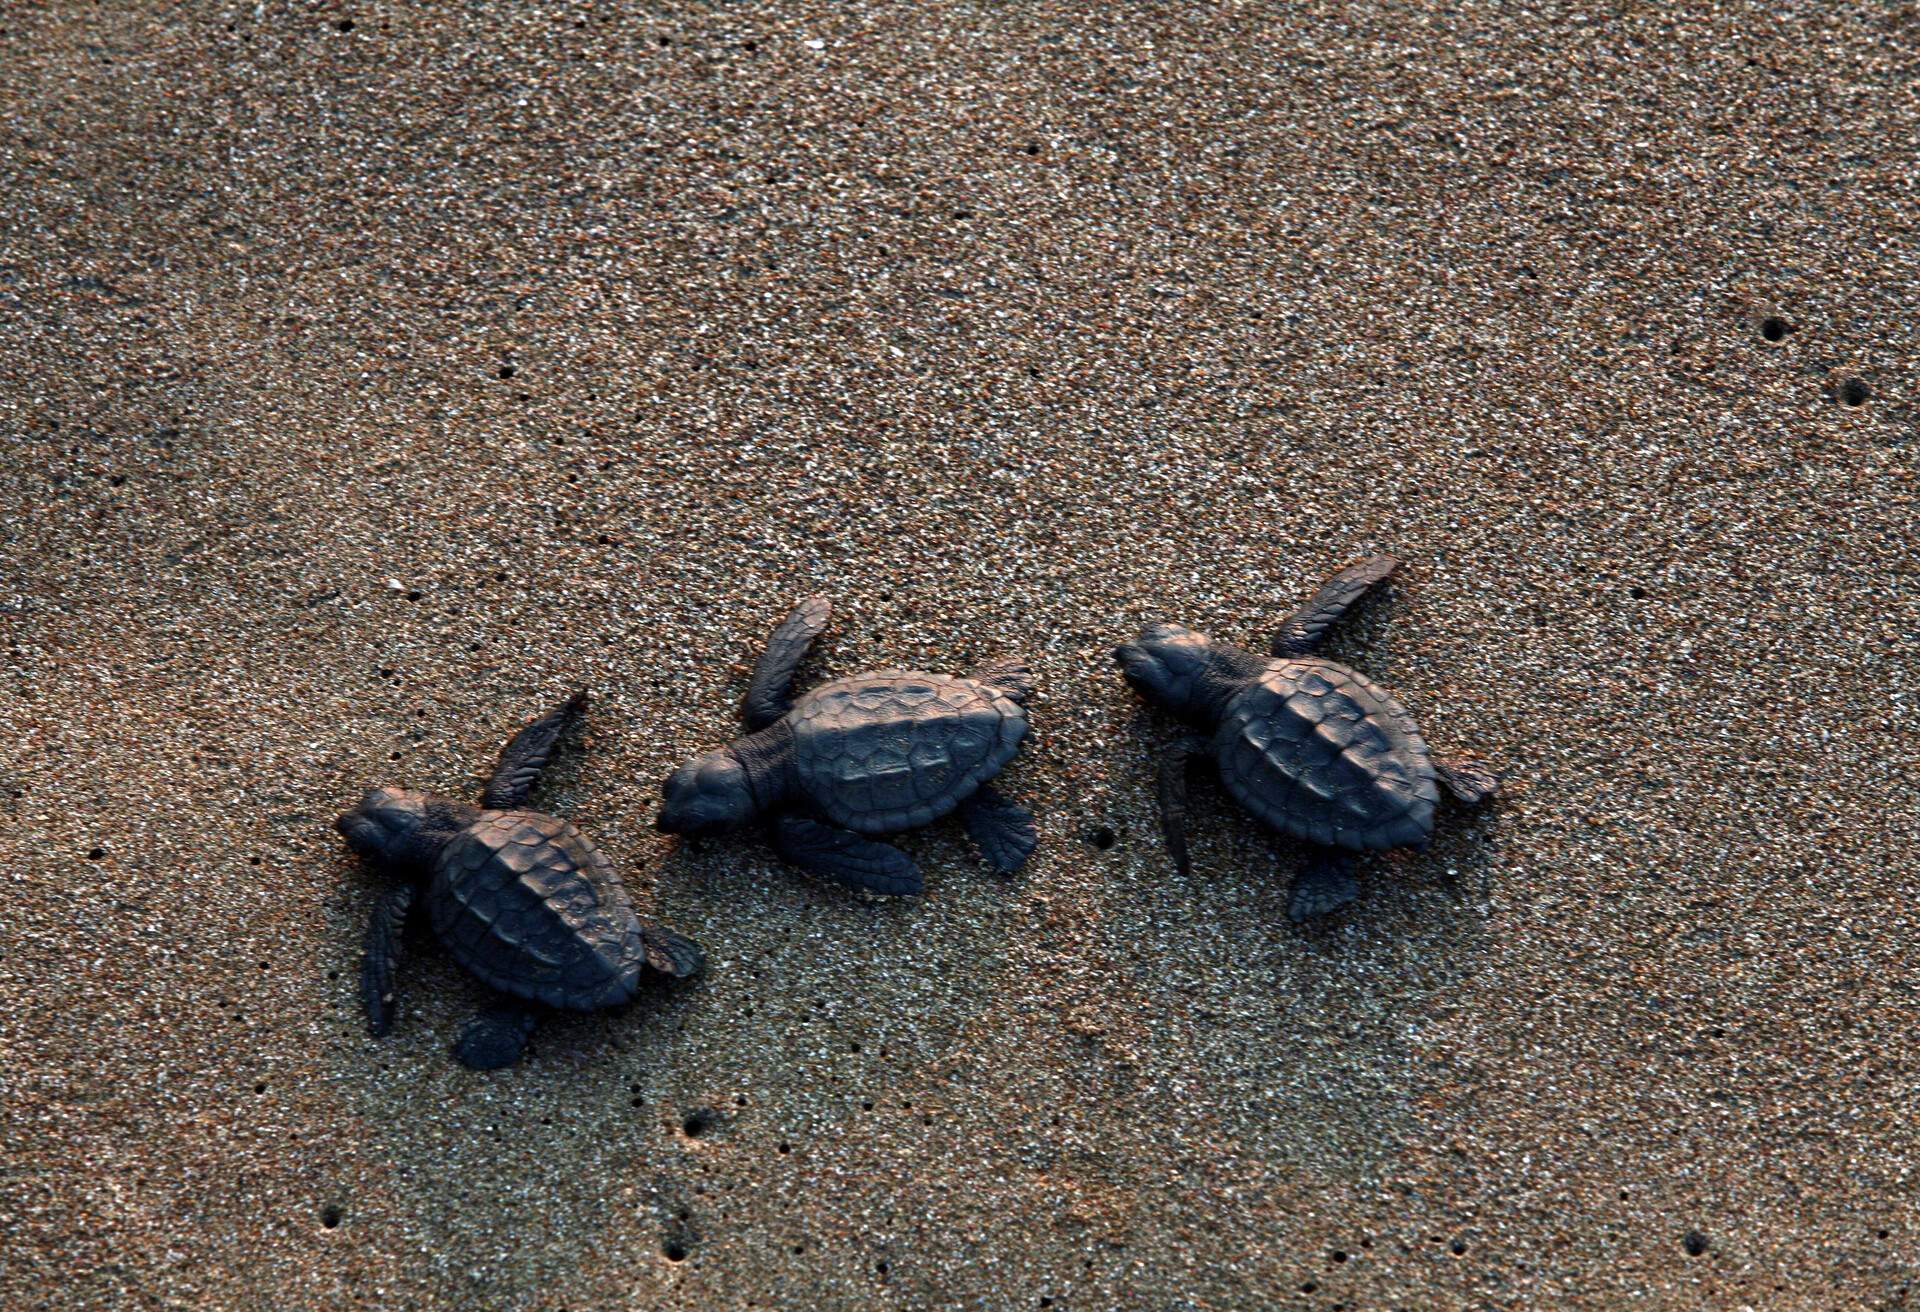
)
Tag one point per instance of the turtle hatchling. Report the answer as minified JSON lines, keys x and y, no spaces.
{"x":874,"y":754}
{"x":523,"y":900}
{"x":1315,"y":749}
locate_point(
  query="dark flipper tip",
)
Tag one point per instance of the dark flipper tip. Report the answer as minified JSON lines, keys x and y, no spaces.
{"x":1470,"y":782}
{"x":1325,"y":883}
{"x":495,"y":1039}
{"x":671,"y":954}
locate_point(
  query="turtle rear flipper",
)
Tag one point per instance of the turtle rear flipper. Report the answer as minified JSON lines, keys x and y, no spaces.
{"x":844,"y":856}
{"x":1470,"y":782}
{"x":1325,"y":883}
{"x":770,"y":695}
{"x":670,"y":953}
{"x":497,"y":1037}
{"x":384,"y":955}
{"x":1001,"y":829}
{"x":1010,"y":678}
{"x":526,"y":753}
{"x":1303,"y":629}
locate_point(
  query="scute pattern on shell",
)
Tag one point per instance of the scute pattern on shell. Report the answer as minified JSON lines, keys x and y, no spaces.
{"x":899,"y":748}
{"x":528,"y":904}
{"x":1320,"y":751}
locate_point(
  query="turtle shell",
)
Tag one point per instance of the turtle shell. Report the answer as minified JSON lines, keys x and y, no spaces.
{"x":1324,"y":753}
{"x":898,"y":748}
{"x":527,"y":903}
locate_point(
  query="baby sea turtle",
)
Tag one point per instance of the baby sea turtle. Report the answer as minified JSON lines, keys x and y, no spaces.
{"x":523,"y":900}
{"x":1315,"y":749}
{"x":874,"y":754}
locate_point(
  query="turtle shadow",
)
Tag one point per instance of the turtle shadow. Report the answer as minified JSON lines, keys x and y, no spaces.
{"x":1456,"y":857}
{"x":1309,"y":1031}
{"x":1452,"y":873}
{"x":432,"y":1133}
{"x":745,"y":869}
{"x":438,"y":998}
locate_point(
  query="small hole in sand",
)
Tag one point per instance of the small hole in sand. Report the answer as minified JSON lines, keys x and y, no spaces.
{"x":697,"y":1122}
{"x":674,"y":1251}
{"x":1775,"y":329}
{"x":330,"y":1217}
{"x":1853,"y":392}
{"x":507,"y":371}
{"x":1695,"y":1243}
{"x":1102,"y":837}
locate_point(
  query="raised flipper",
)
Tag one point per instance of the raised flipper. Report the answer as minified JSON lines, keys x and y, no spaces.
{"x":1173,"y":795}
{"x":526,"y":753}
{"x":384,"y":955}
{"x":1470,"y":782}
{"x":1011,"y":678}
{"x":1303,"y":629}
{"x":497,"y":1037}
{"x":842,"y":855}
{"x":770,"y":695}
{"x":1325,"y":883}
{"x":1001,"y":829}
{"x":670,"y":953}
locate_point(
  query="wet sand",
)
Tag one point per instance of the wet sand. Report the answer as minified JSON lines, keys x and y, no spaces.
{"x":370,"y":378}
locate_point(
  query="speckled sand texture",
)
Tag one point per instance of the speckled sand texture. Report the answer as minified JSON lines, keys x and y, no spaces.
{"x":368,"y":377}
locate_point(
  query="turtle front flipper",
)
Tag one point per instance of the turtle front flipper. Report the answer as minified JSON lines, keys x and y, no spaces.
{"x":1001,"y":829}
{"x":1303,"y":629}
{"x":496,"y":1037}
{"x":526,"y":753}
{"x":1470,"y":782}
{"x":1173,"y":796}
{"x":770,"y":695}
{"x":1325,"y":883}
{"x":844,"y":856}
{"x":384,"y":955}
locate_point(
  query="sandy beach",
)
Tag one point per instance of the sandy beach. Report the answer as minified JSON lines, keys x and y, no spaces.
{"x":370,"y":376}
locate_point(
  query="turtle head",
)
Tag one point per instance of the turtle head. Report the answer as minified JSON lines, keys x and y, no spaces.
{"x":706,"y":795}
{"x":1173,"y":665}
{"x":387,"y":824}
